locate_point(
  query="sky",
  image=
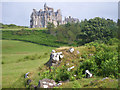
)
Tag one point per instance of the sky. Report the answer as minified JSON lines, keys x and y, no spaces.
{"x":19,"y":12}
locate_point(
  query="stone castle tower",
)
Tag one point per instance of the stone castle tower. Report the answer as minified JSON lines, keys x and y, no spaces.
{"x":42,"y":17}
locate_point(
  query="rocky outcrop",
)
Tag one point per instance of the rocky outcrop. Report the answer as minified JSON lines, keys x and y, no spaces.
{"x":46,"y":83}
{"x":55,"y":58}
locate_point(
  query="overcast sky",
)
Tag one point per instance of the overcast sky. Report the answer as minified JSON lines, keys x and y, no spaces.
{"x":19,"y":12}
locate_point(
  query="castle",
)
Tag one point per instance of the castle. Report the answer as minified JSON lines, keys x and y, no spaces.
{"x":42,"y":17}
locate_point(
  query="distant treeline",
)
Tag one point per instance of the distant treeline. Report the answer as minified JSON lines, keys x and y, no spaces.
{"x":86,"y":31}
{"x":11,"y":26}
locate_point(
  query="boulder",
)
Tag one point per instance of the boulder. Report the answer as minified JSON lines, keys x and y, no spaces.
{"x":55,"y":58}
{"x":26,"y":75}
{"x":59,"y":84}
{"x":53,"y":51}
{"x":104,"y":78}
{"x":67,"y":64}
{"x":46,"y":83}
{"x":71,"y":68}
{"x":78,"y":52}
{"x":71,"y":50}
{"x":74,"y":75}
{"x":88,"y":74}
{"x":61,"y":56}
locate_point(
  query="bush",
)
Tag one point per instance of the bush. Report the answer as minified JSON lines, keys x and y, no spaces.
{"x":110,"y":68}
{"x":63,"y":74}
{"x":2,"y":62}
{"x":104,"y":62}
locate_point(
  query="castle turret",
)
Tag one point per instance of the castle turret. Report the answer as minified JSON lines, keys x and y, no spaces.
{"x":45,"y":7}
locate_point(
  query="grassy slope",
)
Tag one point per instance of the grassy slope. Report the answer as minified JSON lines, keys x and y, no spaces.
{"x":81,"y":83}
{"x":13,"y":71}
{"x":94,"y":82}
{"x":37,"y":36}
{"x":12,"y":51}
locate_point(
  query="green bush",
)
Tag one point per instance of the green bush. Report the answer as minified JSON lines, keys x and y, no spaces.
{"x":104,"y":62}
{"x":2,"y":62}
{"x":110,"y":68}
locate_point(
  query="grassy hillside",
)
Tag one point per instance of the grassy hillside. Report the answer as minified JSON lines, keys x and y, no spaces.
{"x":15,"y":64}
{"x":86,"y":59}
{"x":21,"y":57}
{"x":34,"y":36}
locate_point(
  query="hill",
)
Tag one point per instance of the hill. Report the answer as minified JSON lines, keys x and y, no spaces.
{"x":99,"y":59}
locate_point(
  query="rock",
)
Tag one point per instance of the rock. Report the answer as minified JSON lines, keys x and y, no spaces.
{"x":44,"y":82}
{"x":61,"y":56}
{"x":78,"y":52}
{"x":53,"y":51}
{"x":45,"y":86}
{"x":59,"y":53}
{"x":104,"y":78}
{"x":51,"y":84}
{"x":80,"y":57}
{"x":67,"y":64}
{"x":55,"y":58}
{"x":59,"y":84}
{"x":71,"y":68}
{"x":74,"y":75}
{"x":71,"y":50}
{"x":39,"y":83}
{"x":88,"y":74}
{"x":26,"y":75}
{"x":47,"y":83}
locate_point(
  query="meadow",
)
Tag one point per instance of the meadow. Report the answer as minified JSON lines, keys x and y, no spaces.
{"x":13,"y":69}
{"x":20,"y":57}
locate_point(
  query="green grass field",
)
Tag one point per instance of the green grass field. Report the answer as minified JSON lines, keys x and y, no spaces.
{"x":15,"y":65}
{"x":12,"y":70}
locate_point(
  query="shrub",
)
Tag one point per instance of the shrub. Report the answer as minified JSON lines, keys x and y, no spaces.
{"x":2,"y":62}
{"x":110,"y":68}
{"x":63,"y":74}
